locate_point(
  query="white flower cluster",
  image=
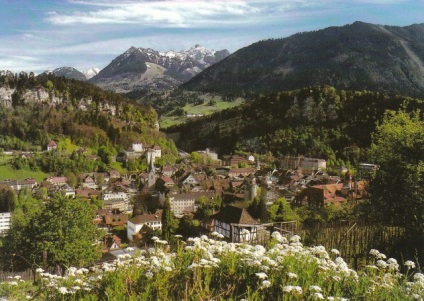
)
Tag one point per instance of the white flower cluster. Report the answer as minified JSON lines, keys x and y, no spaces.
{"x":280,"y":268}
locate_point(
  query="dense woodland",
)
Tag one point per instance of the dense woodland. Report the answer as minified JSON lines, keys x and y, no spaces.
{"x":316,"y":121}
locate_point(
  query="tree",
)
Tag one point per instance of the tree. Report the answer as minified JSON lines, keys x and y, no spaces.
{"x":61,"y":235}
{"x":105,"y":153}
{"x":8,"y":199}
{"x":281,"y":211}
{"x":397,"y":190}
{"x":253,"y":208}
{"x":168,"y":220}
{"x":263,"y":211}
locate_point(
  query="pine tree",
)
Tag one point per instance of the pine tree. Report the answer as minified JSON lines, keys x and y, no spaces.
{"x":167,"y":220}
{"x":254,"y":208}
{"x":263,"y":211}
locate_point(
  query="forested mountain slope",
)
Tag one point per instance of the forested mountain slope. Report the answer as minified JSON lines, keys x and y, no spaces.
{"x":34,"y":110}
{"x":359,"y":56}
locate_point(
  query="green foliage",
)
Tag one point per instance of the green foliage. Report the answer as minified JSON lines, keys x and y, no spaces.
{"x":263,"y":211}
{"x":188,"y":227}
{"x":281,"y":211}
{"x":289,"y":123}
{"x":105,"y":153}
{"x":62,"y":232}
{"x":8,"y":199}
{"x":169,"y":222}
{"x":206,"y":208}
{"x":397,"y":191}
{"x":82,"y":114}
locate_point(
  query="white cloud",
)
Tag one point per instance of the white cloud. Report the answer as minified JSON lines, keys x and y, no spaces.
{"x":16,"y":63}
{"x":173,"y":13}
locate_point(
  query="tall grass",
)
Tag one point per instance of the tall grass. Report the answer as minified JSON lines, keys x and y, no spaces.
{"x":211,"y":269}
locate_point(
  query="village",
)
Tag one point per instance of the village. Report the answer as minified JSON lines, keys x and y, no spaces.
{"x":222,"y":189}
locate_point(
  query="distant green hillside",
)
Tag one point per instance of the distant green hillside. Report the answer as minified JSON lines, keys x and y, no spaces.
{"x":314,"y":121}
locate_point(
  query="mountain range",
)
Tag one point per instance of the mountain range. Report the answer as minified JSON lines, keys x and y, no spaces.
{"x":72,"y":73}
{"x":145,"y":68}
{"x":357,"y":56}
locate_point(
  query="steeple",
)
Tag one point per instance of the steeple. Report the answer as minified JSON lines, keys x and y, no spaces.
{"x":152,"y":172}
{"x":152,"y":165}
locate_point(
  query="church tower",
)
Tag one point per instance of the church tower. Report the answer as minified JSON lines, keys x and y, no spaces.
{"x":250,"y":188}
{"x":152,"y":173}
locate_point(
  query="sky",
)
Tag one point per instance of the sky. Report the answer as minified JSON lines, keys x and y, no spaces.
{"x":41,"y":35}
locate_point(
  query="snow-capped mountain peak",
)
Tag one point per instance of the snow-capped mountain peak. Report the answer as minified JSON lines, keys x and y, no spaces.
{"x":161,"y":70}
{"x":91,"y":72}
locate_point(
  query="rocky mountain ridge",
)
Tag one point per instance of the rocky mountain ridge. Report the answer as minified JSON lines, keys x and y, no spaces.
{"x":145,"y":68}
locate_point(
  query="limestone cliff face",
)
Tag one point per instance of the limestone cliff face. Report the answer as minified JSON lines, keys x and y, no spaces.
{"x":6,"y":96}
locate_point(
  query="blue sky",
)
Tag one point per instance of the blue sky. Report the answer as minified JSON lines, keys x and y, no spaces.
{"x":42,"y":35}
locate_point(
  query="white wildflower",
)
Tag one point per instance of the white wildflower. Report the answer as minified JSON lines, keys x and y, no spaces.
{"x":374,"y":252}
{"x":381,"y":264}
{"x":265,"y":284}
{"x":419,"y":277}
{"x":335,"y":251}
{"x":262,"y":275}
{"x":315,"y":288}
{"x":149,"y":274}
{"x":291,"y":275}
{"x":295,"y":238}
{"x":410,"y":264}
{"x":63,"y":290}
{"x":318,"y":296}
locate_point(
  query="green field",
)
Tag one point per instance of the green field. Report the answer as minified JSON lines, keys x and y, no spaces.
{"x":7,"y":172}
{"x":204,"y":109}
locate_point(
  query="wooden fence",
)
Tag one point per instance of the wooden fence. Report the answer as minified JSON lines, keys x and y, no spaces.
{"x":354,"y":240}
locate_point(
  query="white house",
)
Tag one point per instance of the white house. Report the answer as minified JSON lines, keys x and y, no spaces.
{"x":4,"y":221}
{"x":137,"y":147}
{"x":134,"y":225}
{"x":116,"y":200}
{"x":182,"y":202}
{"x":115,"y":196}
{"x":236,"y":224}
{"x":189,"y":179}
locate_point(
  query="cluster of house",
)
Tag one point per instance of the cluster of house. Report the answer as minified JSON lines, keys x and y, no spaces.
{"x":299,"y":180}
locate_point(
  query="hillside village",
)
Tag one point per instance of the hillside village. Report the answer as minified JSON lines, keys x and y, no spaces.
{"x":215,"y":190}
